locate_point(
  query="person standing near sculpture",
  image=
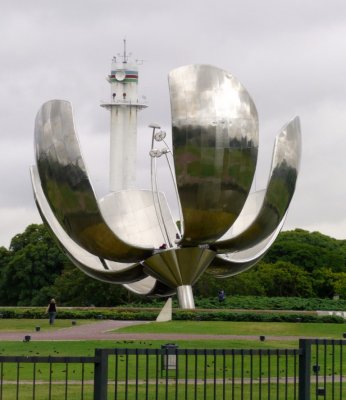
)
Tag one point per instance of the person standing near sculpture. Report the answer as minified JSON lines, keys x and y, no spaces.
{"x":51,"y":310}
{"x":221,"y":296}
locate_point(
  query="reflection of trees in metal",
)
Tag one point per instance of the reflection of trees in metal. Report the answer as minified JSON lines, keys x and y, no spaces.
{"x":215,"y":145}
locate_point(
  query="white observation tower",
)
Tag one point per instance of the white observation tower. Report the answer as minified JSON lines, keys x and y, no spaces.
{"x":123,"y":105}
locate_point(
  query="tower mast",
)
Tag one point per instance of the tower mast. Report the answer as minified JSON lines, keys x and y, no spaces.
{"x":123,"y":106}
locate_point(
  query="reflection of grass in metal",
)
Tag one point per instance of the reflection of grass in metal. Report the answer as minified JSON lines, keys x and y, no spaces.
{"x":68,"y":199}
{"x":231,"y":166}
{"x":214,"y":220}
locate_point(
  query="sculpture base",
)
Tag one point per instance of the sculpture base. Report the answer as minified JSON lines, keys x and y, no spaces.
{"x":185,"y":297}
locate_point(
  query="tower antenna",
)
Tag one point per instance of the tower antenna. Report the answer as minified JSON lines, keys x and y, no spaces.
{"x":125,"y":56}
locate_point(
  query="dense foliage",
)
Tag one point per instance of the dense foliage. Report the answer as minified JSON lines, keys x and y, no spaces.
{"x":300,"y":264}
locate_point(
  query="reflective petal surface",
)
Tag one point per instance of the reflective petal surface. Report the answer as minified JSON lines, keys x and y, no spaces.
{"x":279,"y":192}
{"x":91,"y":265}
{"x":67,"y":188}
{"x":177,"y":267}
{"x":226,"y":265}
{"x":131,"y":215}
{"x":131,"y":276}
{"x":215,"y":144}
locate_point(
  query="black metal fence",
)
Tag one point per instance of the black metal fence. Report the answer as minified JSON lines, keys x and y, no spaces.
{"x":313,"y":371}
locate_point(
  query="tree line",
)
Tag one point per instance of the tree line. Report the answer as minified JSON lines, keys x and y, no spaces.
{"x":299,"y":264}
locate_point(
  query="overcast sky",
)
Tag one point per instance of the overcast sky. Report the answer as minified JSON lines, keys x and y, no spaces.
{"x":290,"y":55}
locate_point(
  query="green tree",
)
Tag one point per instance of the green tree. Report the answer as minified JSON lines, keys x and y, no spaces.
{"x":340,"y":284}
{"x":34,"y":262}
{"x":284,"y":279}
{"x":323,"y":281}
{"x":308,"y":250}
{"x":74,"y":288}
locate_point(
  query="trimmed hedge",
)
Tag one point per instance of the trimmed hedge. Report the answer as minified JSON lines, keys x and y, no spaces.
{"x":272,"y":303}
{"x":151,"y":315}
{"x":256,"y":317}
{"x":255,"y":303}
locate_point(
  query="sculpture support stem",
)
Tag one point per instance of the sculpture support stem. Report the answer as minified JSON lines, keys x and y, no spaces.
{"x":185,"y":297}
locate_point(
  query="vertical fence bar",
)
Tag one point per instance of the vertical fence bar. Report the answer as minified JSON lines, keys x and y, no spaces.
{"x":318,"y":366}
{"x":166,"y":369}
{"x":186,"y":374}
{"x":295,"y":376}
{"x":325,"y":366}
{"x":195,"y":388}
{"x":116,"y":374}
{"x":101,"y":374}
{"x":50,"y":382}
{"x":176,"y":372}
{"x":304,"y":369}
{"x":17,"y":386}
{"x":146,"y":375}
{"x":136,"y":375}
{"x":233,"y":374}
{"x":223,"y":375}
{"x":260,"y":375}
{"x":269,"y":376}
{"x":1,"y":379}
{"x":286,"y":375}
{"x":34,"y":381}
{"x":157,"y":375}
{"x":341,"y":372}
{"x":214,"y":374}
{"x":242,"y":374}
{"x":251,"y":373}
{"x":205,"y":376}
{"x":277,"y":374}
{"x":82,"y":384}
{"x":66,"y":380}
{"x":333,"y":369}
{"x":126,"y":373}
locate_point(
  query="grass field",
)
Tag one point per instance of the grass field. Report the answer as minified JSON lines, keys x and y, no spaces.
{"x":29,"y":325}
{"x":86,"y":348}
{"x":240,"y":328}
{"x":241,"y":368}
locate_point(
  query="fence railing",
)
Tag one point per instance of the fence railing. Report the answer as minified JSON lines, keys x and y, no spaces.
{"x":313,"y":371}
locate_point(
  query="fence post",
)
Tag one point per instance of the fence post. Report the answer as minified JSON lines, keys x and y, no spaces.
{"x":304,"y":369}
{"x":101,"y":374}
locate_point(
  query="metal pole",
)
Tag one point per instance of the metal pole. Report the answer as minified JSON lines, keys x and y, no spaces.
{"x":101,"y":374}
{"x":304,"y":369}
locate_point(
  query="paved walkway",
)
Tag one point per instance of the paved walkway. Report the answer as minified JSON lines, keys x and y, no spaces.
{"x":103,"y":331}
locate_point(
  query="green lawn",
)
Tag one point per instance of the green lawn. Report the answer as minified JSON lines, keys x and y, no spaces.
{"x":29,"y":325}
{"x":207,"y":365}
{"x":172,"y":392}
{"x":240,"y":328}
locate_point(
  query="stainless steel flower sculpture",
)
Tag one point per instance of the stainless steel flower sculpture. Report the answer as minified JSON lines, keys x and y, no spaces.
{"x":225,"y":229}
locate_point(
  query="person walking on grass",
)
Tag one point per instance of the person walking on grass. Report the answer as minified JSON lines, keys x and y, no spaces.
{"x":51,"y":310}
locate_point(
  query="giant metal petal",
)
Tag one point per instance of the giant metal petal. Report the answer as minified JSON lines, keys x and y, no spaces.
{"x":215,"y":144}
{"x":131,"y":276}
{"x":226,"y":265}
{"x":67,"y":188}
{"x":279,"y":192}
